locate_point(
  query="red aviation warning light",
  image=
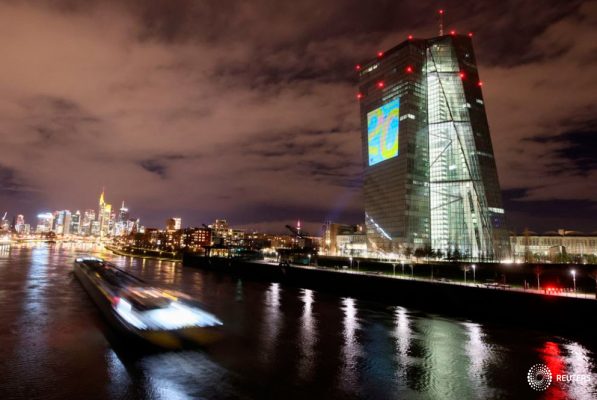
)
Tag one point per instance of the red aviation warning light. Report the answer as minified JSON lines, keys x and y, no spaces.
{"x":452,"y":32}
{"x":409,"y":70}
{"x":410,"y":37}
{"x":470,"y":34}
{"x":480,"y":83}
{"x":462,"y":75}
{"x":380,"y":84}
{"x":380,"y":54}
{"x":357,"y":67}
{"x":359,"y":96}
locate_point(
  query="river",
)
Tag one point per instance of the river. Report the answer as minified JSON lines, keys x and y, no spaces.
{"x":277,"y":342}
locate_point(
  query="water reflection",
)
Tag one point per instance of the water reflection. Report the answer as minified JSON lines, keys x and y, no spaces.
{"x":119,"y":376}
{"x":271,"y":321}
{"x":579,"y":363}
{"x":307,"y":335}
{"x":351,"y":349}
{"x":239,"y":290}
{"x":480,"y":355}
{"x":403,"y":337}
{"x":444,"y":360}
{"x":34,"y":305}
{"x":551,"y":356}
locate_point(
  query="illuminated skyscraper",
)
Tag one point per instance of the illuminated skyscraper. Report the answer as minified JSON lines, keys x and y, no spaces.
{"x":173,"y":224}
{"x":104,"y":217}
{"x":75,"y":225}
{"x":88,"y":218}
{"x":19,"y":224}
{"x":430,"y":176}
{"x":124,"y":213}
{"x":44,"y":222}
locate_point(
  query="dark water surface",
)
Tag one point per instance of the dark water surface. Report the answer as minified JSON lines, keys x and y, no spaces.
{"x":278,"y":342}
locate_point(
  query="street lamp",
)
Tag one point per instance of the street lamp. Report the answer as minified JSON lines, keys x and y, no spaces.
{"x":573,"y":272}
{"x":474,"y":277}
{"x":350,"y":258}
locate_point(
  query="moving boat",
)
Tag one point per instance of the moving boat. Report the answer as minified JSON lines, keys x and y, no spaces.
{"x":162,"y":317}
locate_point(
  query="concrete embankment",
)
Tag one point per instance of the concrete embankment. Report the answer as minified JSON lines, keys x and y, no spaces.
{"x":144,"y":253}
{"x":563,"y":313}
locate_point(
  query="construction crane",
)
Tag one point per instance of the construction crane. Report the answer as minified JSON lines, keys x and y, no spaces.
{"x":303,"y":253}
{"x":299,"y":234}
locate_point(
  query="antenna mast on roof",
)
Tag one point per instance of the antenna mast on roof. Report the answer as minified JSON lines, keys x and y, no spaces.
{"x":441,"y":21}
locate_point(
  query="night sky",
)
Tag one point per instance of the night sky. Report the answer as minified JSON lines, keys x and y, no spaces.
{"x":246,"y":109}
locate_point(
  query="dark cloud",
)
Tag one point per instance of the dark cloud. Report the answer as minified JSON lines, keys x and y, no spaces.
{"x":548,"y":215}
{"x":246,"y":110}
{"x":575,"y":152}
{"x":155,"y":167}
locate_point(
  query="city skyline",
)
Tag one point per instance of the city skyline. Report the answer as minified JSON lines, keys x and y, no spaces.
{"x":261,"y":126}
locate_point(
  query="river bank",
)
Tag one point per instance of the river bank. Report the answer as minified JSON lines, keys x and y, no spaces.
{"x":145,"y":253}
{"x":529,"y":308}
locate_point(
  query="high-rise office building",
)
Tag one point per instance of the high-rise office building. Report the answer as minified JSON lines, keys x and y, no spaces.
{"x":104,"y":217}
{"x":66,"y":222}
{"x":173,"y":224}
{"x":75,"y":224}
{"x":45,"y":222}
{"x":19,"y":224}
{"x":430,"y":178}
{"x":123,"y":215}
{"x":88,"y":218}
{"x":61,"y":222}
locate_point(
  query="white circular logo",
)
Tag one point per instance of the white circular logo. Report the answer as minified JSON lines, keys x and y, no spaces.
{"x":539,"y":377}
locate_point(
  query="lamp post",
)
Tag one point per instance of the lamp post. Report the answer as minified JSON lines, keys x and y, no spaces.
{"x":474,"y":277}
{"x":573,"y":272}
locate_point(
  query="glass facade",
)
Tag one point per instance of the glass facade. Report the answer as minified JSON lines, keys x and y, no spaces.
{"x":441,"y":191}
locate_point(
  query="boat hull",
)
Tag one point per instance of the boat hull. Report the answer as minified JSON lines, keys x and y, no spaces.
{"x":162,"y":338}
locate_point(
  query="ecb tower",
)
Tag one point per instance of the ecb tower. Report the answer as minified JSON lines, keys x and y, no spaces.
{"x":430,"y":179}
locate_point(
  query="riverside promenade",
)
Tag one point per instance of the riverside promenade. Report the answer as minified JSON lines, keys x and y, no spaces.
{"x":510,"y":305}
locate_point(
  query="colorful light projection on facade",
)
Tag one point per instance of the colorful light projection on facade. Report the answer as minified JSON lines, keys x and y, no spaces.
{"x":382,"y":128}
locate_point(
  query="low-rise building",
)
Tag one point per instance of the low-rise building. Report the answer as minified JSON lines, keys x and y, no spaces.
{"x":555,"y":246}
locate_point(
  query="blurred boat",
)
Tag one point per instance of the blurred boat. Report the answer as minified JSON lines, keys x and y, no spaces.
{"x":162,"y":317}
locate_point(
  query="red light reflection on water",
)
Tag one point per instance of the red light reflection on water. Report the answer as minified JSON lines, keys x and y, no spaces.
{"x":552,"y":357}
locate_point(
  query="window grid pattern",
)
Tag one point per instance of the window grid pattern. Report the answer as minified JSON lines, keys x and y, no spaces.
{"x":460,"y":218}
